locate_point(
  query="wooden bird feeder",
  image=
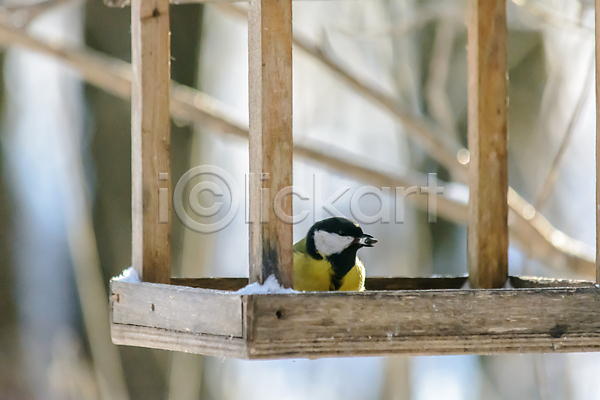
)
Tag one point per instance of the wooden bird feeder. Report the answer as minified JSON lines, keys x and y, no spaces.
{"x":394,"y":315}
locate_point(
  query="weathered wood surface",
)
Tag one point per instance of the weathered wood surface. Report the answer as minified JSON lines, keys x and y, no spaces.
{"x":487,"y":232}
{"x":125,"y":3}
{"x":370,"y":283}
{"x":212,"y":283}
{"x":424,"y":322}
{"x":423,"y":346}
{"x":531,"y":282}
{"x":176,"y":308}
{"x":553,"y":316}
{"x":156,"y":338}
{"x":150,"y":139}
{"x":270,"y":90}
{"x":377,"y":283}
{"x":597,"y":142}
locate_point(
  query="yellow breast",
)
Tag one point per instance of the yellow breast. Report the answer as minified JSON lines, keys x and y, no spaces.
{"x":315,"y":275}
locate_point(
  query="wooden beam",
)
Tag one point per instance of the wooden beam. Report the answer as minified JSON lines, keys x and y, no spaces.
{"x":125,"y":3}
{"x":597,"y":141}
{"x":270,"y":80}
{"x":487,"y":237}
{"x":149,"y":304}
{"x":150,"y":139}
{"x":188,"y":342}
{"x":380,"y":284}
{"x":424,"y":322}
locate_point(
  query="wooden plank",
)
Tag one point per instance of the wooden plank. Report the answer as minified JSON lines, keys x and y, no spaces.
{"x":597,"y":143}
{"x":370,"y":283}
{"x":212,"y":283}
{"x":377,"y":283}
{"x":424,"y":322}
{"x":531,"y":282}
{"x":156,"y":338}
{"x":270,"y":81}
{"x":375,"y":323}
{"x":176,"y":308}
{"x":487,"y":237}
{"x":423,"y":346}
{"x":125,"y":3}
{"x":150,"y":139}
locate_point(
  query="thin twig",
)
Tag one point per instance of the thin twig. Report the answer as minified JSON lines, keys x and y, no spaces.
{"x":541,"y":375}
{"x":396,"y":379}
{"x":550,"y":17}
{"x":22,"y":14}
{"x":552,"y":174}
{"x":403,"y":69}
{"x":428,"y":14}
{"x":422,"y":16}
{"x":534,"y":234}
{"x":86,"y":263}
{"x":423,"y":132}
{"x":437,"y":96}
{"x":83,"y":248}
{"x":530,"y":231}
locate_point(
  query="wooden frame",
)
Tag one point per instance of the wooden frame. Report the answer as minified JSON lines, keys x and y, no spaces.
{"x":150,"y":139}
{"x":394,"y":315}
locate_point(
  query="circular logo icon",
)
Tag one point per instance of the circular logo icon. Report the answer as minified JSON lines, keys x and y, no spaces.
{"x":194,"y":203}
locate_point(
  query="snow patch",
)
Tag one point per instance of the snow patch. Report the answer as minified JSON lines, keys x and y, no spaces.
{"x":271,"y":286}
{"x":129,"y":275}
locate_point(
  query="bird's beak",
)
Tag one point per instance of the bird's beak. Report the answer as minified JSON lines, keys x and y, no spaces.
{"x":366,"y":240}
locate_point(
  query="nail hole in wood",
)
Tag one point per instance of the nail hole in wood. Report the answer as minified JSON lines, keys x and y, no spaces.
{"x":558,"y":330}
{"x":155,"y":13}
{"x":279,"y":314}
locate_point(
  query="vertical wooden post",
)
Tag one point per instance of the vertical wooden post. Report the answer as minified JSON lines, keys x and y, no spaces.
{"x":597,"y":141}
{"x":270,"y":80}
{"x":150,"y":139}
{"x":487,"y":237}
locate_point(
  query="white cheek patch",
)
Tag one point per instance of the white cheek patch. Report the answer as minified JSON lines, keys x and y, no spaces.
{"x":330,"y":243}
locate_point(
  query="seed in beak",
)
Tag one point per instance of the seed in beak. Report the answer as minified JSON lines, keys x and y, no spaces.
{"x":370,"y":241}
{"x":367,"y":241}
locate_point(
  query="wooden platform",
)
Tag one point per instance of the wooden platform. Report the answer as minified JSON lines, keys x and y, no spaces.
{"x":413,"y":316}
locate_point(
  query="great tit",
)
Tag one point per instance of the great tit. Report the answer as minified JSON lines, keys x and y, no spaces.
{"x":326,"y":258}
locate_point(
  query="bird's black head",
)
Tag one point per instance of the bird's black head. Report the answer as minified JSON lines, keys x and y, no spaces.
{"x":334,"y":236}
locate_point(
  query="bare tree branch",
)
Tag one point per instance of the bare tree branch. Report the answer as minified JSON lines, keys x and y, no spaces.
{"x":86,"y":262}
{"x":418,"y":129}
{"x":423,"y":15}
{"x":437,"y":96}
{"x":552,"y":174}
{"x":551,"y":17}
{"x":529,"y":231}
{"x":22,"y":14}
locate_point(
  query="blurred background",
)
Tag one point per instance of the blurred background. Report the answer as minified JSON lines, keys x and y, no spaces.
{"x":371,"y":79}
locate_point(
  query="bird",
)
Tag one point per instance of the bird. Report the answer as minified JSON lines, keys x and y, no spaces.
{"x":325,"y":260}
